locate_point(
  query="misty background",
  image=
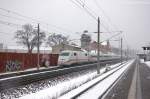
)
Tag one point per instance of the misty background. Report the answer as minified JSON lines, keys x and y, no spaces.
{"x":65,"y":17}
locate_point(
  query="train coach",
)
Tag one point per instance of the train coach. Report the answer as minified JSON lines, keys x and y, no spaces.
{"x":68,"y":57}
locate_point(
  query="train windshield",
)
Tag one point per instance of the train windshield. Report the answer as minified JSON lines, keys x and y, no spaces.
{"x":64,"y":54}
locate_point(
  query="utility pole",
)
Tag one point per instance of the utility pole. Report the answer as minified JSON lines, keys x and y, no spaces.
{"x":127,"y":52}
{"x":38,"y":48}
{"x":98,"y":47}
{"x":121,"y":51}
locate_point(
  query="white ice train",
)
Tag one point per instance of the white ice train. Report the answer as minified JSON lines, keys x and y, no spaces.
{"x":69,"y":57}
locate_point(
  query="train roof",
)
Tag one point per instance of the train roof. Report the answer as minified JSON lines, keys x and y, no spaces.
{"x":70,"y":51}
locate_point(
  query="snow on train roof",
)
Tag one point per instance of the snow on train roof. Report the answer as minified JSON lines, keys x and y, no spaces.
{"x":70,"y":51}
{"x":94,"y":52}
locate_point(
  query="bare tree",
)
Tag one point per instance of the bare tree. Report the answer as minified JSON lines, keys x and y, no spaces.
{"x":56,"y":39}
{"x":28,"y":37}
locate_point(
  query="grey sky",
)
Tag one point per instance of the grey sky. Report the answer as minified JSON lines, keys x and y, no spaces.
{"x":130,"y":16}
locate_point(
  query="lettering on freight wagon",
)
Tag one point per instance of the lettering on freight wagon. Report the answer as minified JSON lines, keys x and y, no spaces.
{"x":13,"y":65}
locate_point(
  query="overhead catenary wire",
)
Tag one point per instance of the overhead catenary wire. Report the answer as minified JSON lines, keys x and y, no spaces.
{"x":89,"y":11}
{"x":14,"y":25}
{"x":80,"y":5}
{"x":34,"y":20}
{"x":112,"y":37}
{"x":3,"y":15}
{"x":107,"y":17}
{"x":86,"y":7}
{"x":10,"y":23}
{"x":92,"y":12}
{"x":17,"y":14}
{"x":83,"y":3}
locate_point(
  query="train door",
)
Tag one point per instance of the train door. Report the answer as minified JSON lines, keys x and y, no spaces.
{"x":75,"y":54}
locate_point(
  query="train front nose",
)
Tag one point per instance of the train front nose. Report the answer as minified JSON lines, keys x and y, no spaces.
{"x":61,"y":61}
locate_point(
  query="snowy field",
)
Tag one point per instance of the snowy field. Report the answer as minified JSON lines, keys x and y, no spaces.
{"x":59,"y":89}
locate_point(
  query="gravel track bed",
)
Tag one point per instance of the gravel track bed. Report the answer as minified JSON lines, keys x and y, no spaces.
{"x":40,"y":85}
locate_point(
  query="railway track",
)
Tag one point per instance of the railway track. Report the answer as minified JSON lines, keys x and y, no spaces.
{"x":19,"y":73}
{"x":24,"y":78}
{"x":85,"y":89}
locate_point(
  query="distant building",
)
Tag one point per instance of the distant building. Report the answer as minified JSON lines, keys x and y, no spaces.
{"x":58,"y":48}
{"x":85,"y":40}
{"x":103,"y":48}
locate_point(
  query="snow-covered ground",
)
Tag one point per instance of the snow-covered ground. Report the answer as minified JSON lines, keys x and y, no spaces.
{"x":64,"y":86}
{"x":101,"y":87}
{"x":53,"y":87}
{"x":99,"y":90}
{"x":40,"y":85}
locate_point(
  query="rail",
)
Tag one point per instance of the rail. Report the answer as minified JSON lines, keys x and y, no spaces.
{"x":20,"y":80}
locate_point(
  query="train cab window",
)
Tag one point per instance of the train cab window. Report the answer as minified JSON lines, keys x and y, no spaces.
{"x":75,"y":54}
{"x":64,"y":54}
{"x":85,"y":54}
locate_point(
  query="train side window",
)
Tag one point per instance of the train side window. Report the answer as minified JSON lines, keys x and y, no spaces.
{"x":85,"y":54}
{"x":75,"y":54}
